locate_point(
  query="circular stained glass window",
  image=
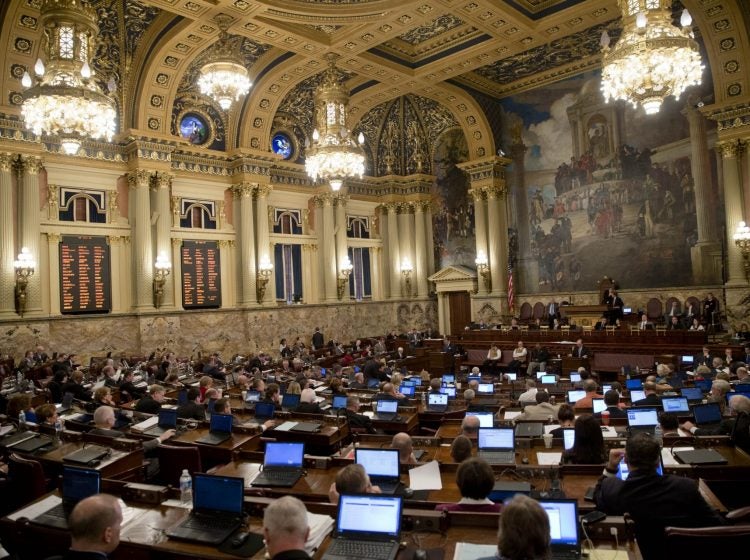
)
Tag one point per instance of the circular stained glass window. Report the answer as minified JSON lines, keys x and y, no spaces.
{"x":194,"y":128}
{"x":282,"y":145}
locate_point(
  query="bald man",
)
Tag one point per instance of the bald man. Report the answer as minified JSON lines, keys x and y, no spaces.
{"x":402,"y":442}
{"x":470,"y":427}
{"x":94,"y":528}
{"x":285,"y":529}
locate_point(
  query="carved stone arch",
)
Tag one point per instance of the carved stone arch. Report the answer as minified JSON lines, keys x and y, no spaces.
{"x":727,"y":42}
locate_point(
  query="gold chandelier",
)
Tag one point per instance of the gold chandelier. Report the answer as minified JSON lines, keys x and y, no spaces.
{"x":66,"y":101}
{"x":222,"y":78}
{"x":334,"y":155}
{"x":653,"y":59}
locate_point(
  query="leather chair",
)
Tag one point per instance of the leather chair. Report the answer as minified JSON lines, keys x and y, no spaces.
{"x":173,"y":459}
{"x":26,"y":480}
{"x":703,"y":542}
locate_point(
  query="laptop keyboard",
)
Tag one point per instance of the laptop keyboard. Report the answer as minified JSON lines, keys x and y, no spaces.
{"x":205,"y":523}
{"x":279,"y":475}
{"x":360,"y":549}
{"x":498,"y":456}
{"x":58,"y":511}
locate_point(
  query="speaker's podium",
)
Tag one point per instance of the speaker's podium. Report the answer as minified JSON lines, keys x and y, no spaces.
{"x":583,"y":314}
{"x":569,"y":363}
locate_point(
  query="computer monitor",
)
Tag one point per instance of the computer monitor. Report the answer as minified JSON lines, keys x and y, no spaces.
{"x":477,"y":378}
{"x":606,"y":388}
{"x":407,"y":390}
{"x":686,"y":360}
{"x":704,"y":384}
{"x":486,"y":388}
{"x":626,"y":310}
{"x":548,"y":380}
{"x":511,"y":375}
{"x":642,"y":417}
{"x":539,"y":374}
{"x":637,"y":395}
{"x":339,"y":401}
{"x":675,"y":405}
{"x":569,"y":438}
{"x":450,"y":391}
{"x":692,"y":393}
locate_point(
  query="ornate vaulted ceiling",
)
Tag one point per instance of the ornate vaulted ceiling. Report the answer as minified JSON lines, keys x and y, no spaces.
{"x":448,"y":56}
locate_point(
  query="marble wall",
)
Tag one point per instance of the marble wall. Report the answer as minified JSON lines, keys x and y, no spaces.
{"x":226,"y":331}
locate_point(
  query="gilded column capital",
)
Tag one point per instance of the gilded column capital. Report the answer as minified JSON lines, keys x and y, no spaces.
{"x":114,"y":239}
{"x":52,"y":191}
{"x":126,"y":239}
{"x":139,"y":178}
{"x":31,"y":164}
{"x":162,"y":180}
{"x":478,"y":193}
{"x":731,"y":149}
{"x":243,"y":190}
{"x":340,"y":199}
{"x":496,"y":191}
{"x":406,"y":208}
{"x":176,"y":241}
{"x":225,"y":243}
{"x":262,"y":190}
{"x":7,"y":160}
{"x":53,"y":237}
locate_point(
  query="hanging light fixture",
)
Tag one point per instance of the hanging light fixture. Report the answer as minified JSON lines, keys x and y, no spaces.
{"x":653,"y":59}
{"x":222,"y":78}
{"x":64,"y":99}
{"x":334,"y":155}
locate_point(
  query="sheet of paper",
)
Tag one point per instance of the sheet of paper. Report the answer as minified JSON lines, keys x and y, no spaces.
{"x":5,"y":429}
{"x":320,"y":527}
{"x":36,"y":509}
{"x":609,"y":432}
{"x":511,"y":414}
{"x":471,"y":551}
{"x":548,"y":457}
{"x":285,"y":427}
{"x":668,"y":459}
{"x":426,"y":477}
{"x":368,"y":413}
{"x":177,"y":503}
{"x":549,"y":427}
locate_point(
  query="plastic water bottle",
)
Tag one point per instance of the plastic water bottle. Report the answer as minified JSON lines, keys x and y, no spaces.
{"x":58,"y":429}
{"x":22,"y":420}
{"x":424,"y":398}
{"x":186,"y":487}
{"x":19,"y":379}
{"x":659,"y":435}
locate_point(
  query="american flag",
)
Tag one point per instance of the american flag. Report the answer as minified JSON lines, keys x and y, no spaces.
{"x":510,"y":287}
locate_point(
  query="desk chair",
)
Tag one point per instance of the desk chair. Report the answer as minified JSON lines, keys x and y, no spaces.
{"x":705,"y":541}
{"x":661,"y":330}
{"x":610,"y":329}
{"x":174,"y":458}
{"x":27,"y":480}
{"x":544,"y":329}
{"x":587,"y":329}
{"x":635,"y":330}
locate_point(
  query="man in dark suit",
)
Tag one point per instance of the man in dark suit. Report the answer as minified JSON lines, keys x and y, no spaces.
{"x":553,"y":312}
{"x":354,"y":418}
{"x":151,"y":403}
{"x":359,"y":381}
{"x":652,"y":399}
{"x":318,"y":340}
{"x":704,"y":358}
{"x":94,"y":526}
{"x":612,"y":400}
{"x":192,"y":410}
{"x":654,"y":502}
{"x":579,"y":350}
{"x":127,"y":386}
{"x":75,"y":386}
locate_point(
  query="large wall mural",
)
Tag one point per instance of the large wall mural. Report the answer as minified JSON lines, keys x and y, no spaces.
{"x":609,"y":190}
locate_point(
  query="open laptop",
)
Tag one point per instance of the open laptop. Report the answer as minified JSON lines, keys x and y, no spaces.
{"x":217,"y":510}
{"x":407,"y":390}
{"x":497,"y":445}
{"x":219,"y":431}
{"x":703,"y":384}
{"x":707,"y":414}
{"x":575,"y":377}
{"x":623,"y":471}
{"x":77,"y":484}
{"x":386,"y":409}
{"x":372,"y":383}
{"x":251,"y":399}
{"x":599,"y":405}
{"x":367,"y":526}
{"x":486,"y":419}
{"x":692,"y":394}
{"x":486,"y":389}
{"x":382,"y":466}
{"x":338,"y":403}
{"x":529,"y":429}
{"x":264,"y":411}
{"x":289,"y":402}
{"x":637,"y":395}
{"x":642,"y":420}
{"x":631,"y":384}
{"x":569,"y":438}
{"x":687,"y":360}
{"x":511,"y":375}
{"x":677,"y":406}
{"x":66,"y":404}
{"x":575,"y":395}
{"x":548,"y":379}
{"x":540,"y":374}
{"x":437,"y":402}
{"x":448,"y":378}
{"x":167,"y":421}
{"x":448,"y":390}
{"x":282,"y":464}
{"x":565,"y":540}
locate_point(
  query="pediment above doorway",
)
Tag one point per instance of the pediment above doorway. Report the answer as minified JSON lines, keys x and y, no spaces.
{"x":454,"y":278}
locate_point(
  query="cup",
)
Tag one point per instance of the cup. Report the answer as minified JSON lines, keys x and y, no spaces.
{"x":244,"y":395}
{"x":547,"y":440}
{"x":605,"y":417}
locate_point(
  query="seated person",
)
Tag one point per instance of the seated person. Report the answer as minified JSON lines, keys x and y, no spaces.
{"x":293,"y":388}
{"x":103,"y":395}
{"x":286,"y":529}
{"x":612,"y":402}
{"x":542,"y":410}
{"x":355,"y":419}
{"x":644,"y":324}
{"x":307,"y":404}
{"x":204,"y":384}
{"x":20,"y":402}
{"x":520,"y":353}
{"x":695,"y":325}
{"x":336,"y":387}
{"x":59,"y":379}
{"x":151,"y":403}
{"x":273,"y":395}
{"x":529,"y":395}
{"x":494,"y":357}
{"x":591,"y":389}
{"x":435,"y":384}
{"x":352,"y":479}
{"x":128,"y":387}
{"x":475,"y":481}
{"x":359,"y":381}
{"x":94,"y":526}
{"x":461,"y":449}
{"x":470,"y":427}
{"x":538,"y":358}
{"x":565,"y":417}
{"x":191,"y":409}
{"x":669,"y":424}
{"x":221,"y":406}
{"x":524,"y":530}
{"x":588,"y":448}
{"x":402,"y":442}
{"x":46,"y":414}
{"x":651,"y":399}
{"x":110,"y":377}
{"x":388,"y":392}
{"x":654,"y":502}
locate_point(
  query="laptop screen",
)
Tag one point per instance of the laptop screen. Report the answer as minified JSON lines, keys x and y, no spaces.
{"x":486,"y":419}
{"x":407,"y":390}
{"x":181,"y":397}
{"x":252,"y":397}
{"x":687,"y":360}
{"x":539,"y":374}
{"x":569,"y":438}
{"x":548,"y":380}
{"x":631,"y":384}
{"x":437,"y":399}
{"x":486,"y":388}
{"x":387,"y":406}
{"x":576,"y":395}
{"x":378,"y":462}
{"x":637,"y":395}
{"x":339,"y":401}
{"x":642,"y":417}
{"x":290,"y":401}
{"x":511,"y":375}
{"x":675,"y":404}
{"x":283,"y":454}
{"x":210,"y":406}
{"x":623,"y":471}
{"x":606,"y":388}
{"x":372,"y":383}
{"x":496,"y":438}
{"x":563,"y":523}
{"x":598,"y":405}
{"x":218,"y":493}
{"x":692,"y":393}
{"x":168,"y":417}
{"x":264,"y":410}
{"x":221,"y":423}
{"x":356,"y":369}
{"x":371,"y":515}
{"x":627,"y":309}
{"x":707,"y":413}
{"x":704,"y":384}
{"x":322,"y":372}
{"x":408,"y":383}
{"x":477,"y":378}
{"x":575,"y":377}
{"x":449,"y":378}
{"x":80,"y":483}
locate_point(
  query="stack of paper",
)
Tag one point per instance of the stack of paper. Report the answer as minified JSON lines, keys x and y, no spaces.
{"x":320,"y":528}
{"x":145,"y":425}
{"x":548,"y":458}
{"x":469,"y":551}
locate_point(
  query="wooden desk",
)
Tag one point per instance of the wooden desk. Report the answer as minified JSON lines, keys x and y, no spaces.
{"x":327,"y":441}
{"x":212,"y":455}
{"x":409,"y":423}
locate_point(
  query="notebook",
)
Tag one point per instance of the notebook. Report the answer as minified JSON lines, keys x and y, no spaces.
{"x":217,"y":510}
{"x":367,"y":526}
{"x":219,"y":431}
{"x":386,"y":409}
{"x":167,"y":421}
{"x":382,"y":466}
{"x":264,"y":411}
{"x":675,"y":405}
{"x":565,"y":542}
{"x":486,"y":389}
{"x":33,"y":444}
{"x":692,"y":393}
{"x":89,"y":455}
{"x":576,"y":395}
{"x":598,"y":405}
{"x":437,"y":402}
{"x":497,"y":445}
{"x":289,"y":402}
{"x":282,"y":464}
{"x":77,"y":484}
{"x":642,"y":419}
{"x":66,"y":404}
{"x":707,"y":414}
{"x":486,"y":419}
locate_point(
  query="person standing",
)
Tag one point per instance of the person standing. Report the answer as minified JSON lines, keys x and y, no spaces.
{"x":318,"y":340}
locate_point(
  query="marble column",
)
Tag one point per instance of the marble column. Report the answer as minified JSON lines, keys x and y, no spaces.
{"x":406,"y":243}
{"x":420,"y":252}
{"x":225,"y":256}
{"x":140,"y":220}
{"x":29,"y":234}
{"x":244,"y":226}
{"x":329,"y":250}
{"x":318,"y":254}
{"x":429,"y":245}
{"x":395,"y":252}
{"x":7,"y":245}
{"x":376,"y":273}
{"x":161,"y":186}
{"x":733,"y":203}
{"x":480,"y":231}
{"x":385,"y":260}
{"x":496,"y":248}
{"x":263,"y":239}
{"x":341,"y":242}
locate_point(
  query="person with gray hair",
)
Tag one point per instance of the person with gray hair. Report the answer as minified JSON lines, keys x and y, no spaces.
{"x":94,"y":526}
{"x":285,"y":529}
{"x":307,"y":403}
{"x":470,"y":427}
{"x":352,"y":479}
{"x":402,"y":441}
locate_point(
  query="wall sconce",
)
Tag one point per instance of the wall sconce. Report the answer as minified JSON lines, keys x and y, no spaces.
{"x":343,"y":279}
{"x":742,"y":241}
{"x":265,"y":268}
{"x":406,"y":270}
{"x":24,"y":266}
{"x":484,"y":270}
{"x":162,"y":269}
